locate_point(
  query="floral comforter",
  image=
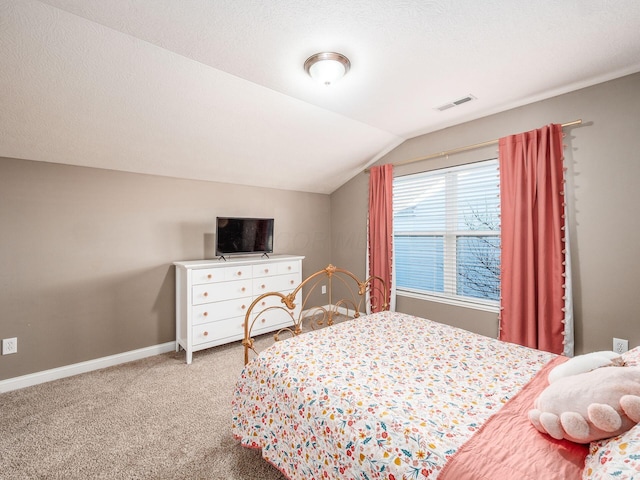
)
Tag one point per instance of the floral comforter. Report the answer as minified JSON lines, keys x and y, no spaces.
{"x":384,"y":396}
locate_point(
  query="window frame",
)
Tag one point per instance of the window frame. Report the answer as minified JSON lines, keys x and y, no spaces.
{"x":450,"y":237}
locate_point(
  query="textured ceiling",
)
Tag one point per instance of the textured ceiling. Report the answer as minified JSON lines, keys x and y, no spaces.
{"x":215,"y":90}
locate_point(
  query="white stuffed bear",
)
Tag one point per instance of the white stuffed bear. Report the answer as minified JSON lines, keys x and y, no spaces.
{"x":590,"y":397}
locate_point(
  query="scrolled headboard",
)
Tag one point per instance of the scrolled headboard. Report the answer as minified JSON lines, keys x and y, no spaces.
{"x":294,"y":309}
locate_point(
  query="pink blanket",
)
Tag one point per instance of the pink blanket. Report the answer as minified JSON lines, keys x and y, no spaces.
{"x":508,"y":447}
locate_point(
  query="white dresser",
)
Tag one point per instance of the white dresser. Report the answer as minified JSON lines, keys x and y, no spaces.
{"x":212,"y":297}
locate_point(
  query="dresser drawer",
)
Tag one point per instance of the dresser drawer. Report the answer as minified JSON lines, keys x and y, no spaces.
{"x":237,"y":273}
{"x":288,"y":267}
{"x":279,"y":268}
{"x":220,"y":274}
{"x":207,"y":275}
{"x":209,"y":312}
{"x":265,"y":270}
{"x":214,"y":331}
{"x":217,"y":292}
{"x":277,"y":283}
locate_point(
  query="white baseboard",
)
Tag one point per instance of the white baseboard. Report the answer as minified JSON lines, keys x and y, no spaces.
{"x":91,"y":365}
{"x":83,"y":367}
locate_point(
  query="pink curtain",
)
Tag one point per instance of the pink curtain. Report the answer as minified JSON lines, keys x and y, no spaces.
{"x":380,"y":229}
{"x":532,"y":237}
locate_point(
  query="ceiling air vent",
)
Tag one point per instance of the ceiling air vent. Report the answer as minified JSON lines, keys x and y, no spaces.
{"x":455,"y":103}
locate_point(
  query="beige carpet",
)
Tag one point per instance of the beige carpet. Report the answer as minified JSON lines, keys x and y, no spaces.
{"x":156,"y":418}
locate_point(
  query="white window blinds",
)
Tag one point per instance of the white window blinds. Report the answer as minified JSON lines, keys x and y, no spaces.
{"x":447,"y":232}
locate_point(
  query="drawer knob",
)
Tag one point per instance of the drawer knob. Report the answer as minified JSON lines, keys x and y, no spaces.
{"x":263,"y":303}
{"x":239,"y":273}
{"x":209,"y":276}
{"x":205,"y":313}
{"x":291,"y":282}
{"x":205,"y":333}
{"x":242,"y":289}
{"x":266,"y":270}
{"x":242,"y":325}
{"x":264,"y":320}
{"x":289,"y":267}
{"x":206,"y":294}
{"x":243,"y":307}
{"x":262,"y":286}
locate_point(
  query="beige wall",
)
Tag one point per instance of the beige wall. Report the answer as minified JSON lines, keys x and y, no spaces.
{"x":603,"y":159}
{"x":85,"y":254}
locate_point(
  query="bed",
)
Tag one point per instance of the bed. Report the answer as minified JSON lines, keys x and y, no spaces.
{"x":393,"y":396}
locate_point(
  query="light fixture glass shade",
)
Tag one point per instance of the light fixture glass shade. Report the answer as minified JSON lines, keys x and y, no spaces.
{"x":327,"y":67}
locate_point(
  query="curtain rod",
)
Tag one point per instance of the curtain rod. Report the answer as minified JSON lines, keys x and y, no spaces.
{"x":463,"y":149}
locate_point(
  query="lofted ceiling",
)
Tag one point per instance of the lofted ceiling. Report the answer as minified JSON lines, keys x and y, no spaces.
{"x":215,"y":89}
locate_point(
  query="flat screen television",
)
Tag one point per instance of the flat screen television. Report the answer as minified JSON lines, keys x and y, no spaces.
{"x":243,"y":235}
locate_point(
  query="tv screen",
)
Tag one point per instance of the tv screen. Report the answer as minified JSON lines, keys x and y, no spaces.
{"x":243,"y":235}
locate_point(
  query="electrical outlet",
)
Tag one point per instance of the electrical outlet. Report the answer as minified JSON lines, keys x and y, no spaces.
{"x":9,"y":345}
{"x":620,"y":345}
{"x":324,"y":289}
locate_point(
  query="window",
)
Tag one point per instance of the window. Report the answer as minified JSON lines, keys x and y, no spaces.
{"x":447,"y":233}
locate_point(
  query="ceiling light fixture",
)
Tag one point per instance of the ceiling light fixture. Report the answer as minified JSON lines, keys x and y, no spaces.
{"x":327,"y":67}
